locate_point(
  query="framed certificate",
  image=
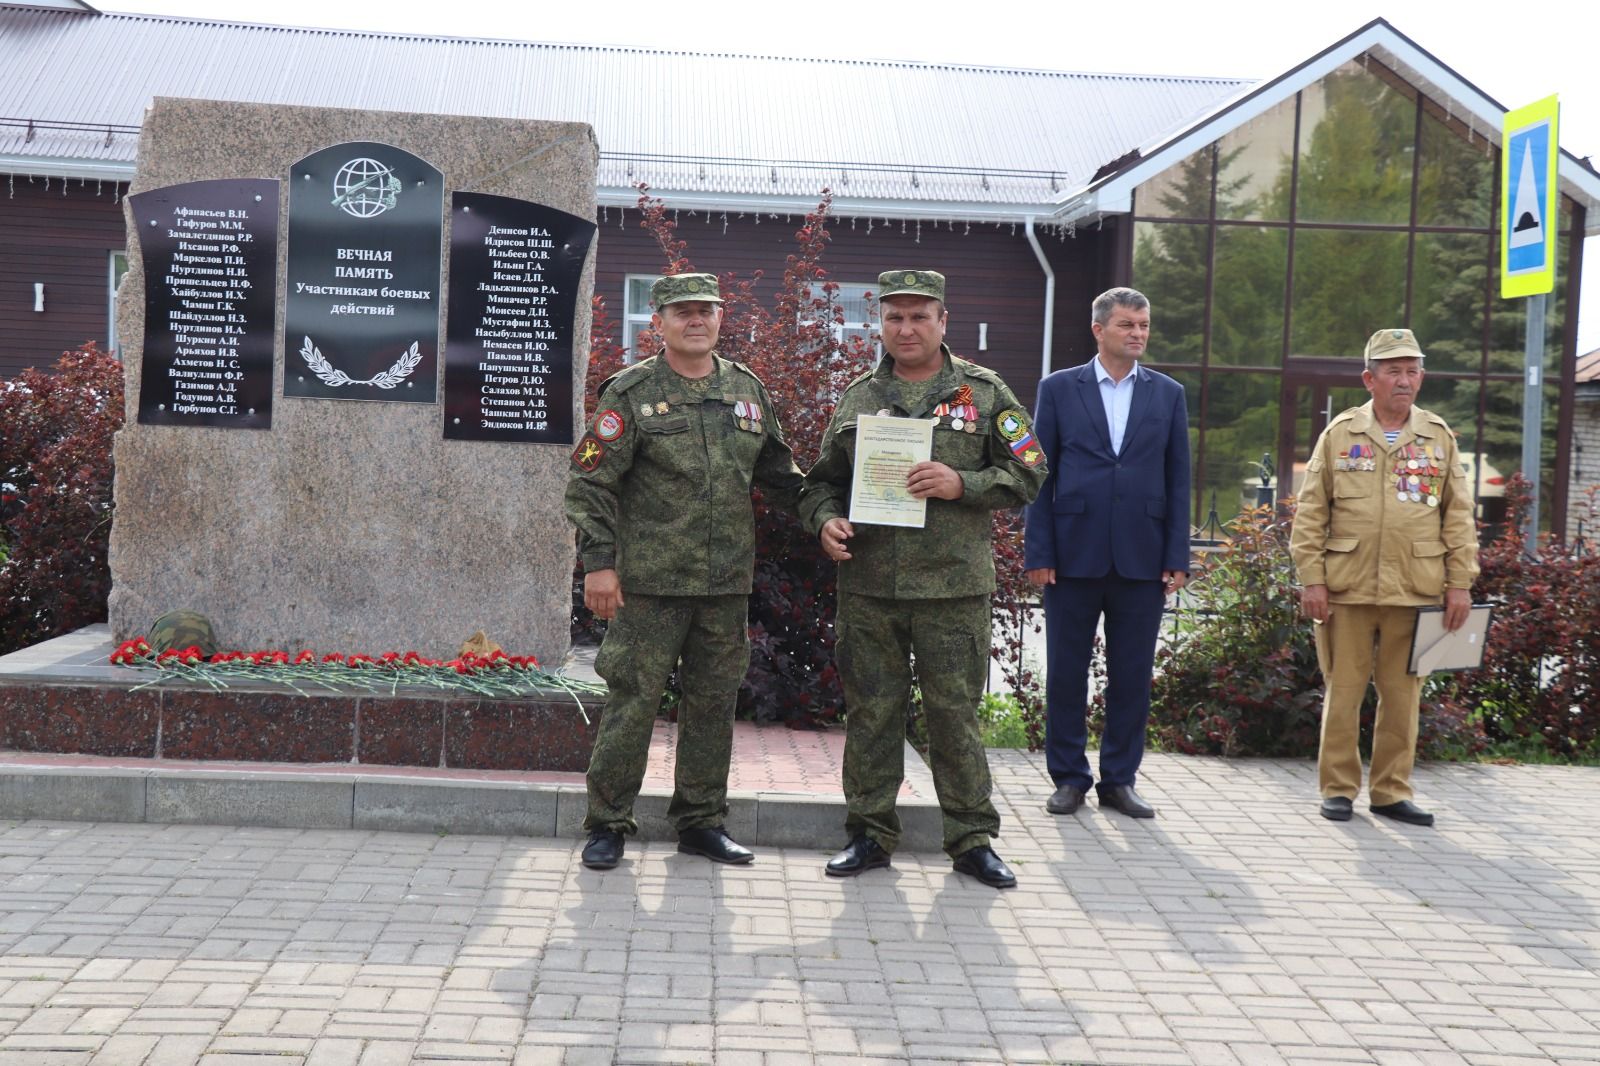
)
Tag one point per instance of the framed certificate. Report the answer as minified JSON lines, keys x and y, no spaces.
{"x":886,"y":450}
{"x":1433,"y":647}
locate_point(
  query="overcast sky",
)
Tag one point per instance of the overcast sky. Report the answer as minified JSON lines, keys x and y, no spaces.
{"x":1484,"y":42}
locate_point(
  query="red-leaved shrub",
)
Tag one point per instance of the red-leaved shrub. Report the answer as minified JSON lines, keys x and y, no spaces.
{"x":1540,"y":679}
{"x":55,"y":495}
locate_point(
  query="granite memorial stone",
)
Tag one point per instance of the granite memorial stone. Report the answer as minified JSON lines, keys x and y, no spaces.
{"x":354,"y":527}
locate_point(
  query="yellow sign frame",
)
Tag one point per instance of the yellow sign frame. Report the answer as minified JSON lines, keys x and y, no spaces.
{"x":1523,"y":280}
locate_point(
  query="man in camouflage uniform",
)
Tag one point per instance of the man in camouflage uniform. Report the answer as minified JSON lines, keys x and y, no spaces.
{"x":921,"y":593}
{"x":659,"y":491}
{"x":1383,"y":526}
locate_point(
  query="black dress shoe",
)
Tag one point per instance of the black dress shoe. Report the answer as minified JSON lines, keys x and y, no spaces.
{"x":1336,"y":808}
{"x":715,"y":844}
{"x":981,"y":862}
{"x":1065,"y":800}
{"x":604,"y":849}
{"x":1404,"y":811}
{"x":1123,"y":798}
{"x":860,"y":855}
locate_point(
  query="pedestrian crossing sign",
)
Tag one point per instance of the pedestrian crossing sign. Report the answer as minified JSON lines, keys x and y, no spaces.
{"x":1528,"y":218}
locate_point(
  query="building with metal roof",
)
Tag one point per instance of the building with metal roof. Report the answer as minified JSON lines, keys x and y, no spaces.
{"x":77,"y":83}
{"x":1272,"y":223}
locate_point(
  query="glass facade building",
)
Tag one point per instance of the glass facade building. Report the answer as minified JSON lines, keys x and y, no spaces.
{"x":1271,"y":254}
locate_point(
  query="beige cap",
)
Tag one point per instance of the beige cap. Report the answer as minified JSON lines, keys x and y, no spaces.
{"x":1391,"y":344}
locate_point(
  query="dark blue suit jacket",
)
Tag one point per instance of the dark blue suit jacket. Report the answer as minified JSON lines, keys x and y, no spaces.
{"x":1099,"y":510}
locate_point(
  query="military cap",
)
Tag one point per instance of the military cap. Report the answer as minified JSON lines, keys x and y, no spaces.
{"x":1391,"y":344}
{"x":911,"y":283}
{"x":676,"y":288}
{"x":177,"y":630}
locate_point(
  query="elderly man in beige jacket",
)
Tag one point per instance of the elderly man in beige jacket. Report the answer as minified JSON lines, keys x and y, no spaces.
{"x":1384,"y":526}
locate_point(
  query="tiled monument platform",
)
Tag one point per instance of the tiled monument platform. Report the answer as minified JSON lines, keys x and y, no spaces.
{"x":80,"y":740}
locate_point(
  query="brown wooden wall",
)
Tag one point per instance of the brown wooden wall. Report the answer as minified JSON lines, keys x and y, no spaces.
{"x":993,"y":274}
{"x":63,"y":241}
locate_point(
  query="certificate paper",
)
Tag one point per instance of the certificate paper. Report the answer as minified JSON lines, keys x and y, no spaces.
{"x":1433,"y":647}
{"x":886,"y":450}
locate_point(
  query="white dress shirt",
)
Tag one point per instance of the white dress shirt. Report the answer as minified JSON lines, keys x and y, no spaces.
{"x":1118,"y":398}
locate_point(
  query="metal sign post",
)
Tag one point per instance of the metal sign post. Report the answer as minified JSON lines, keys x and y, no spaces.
{"x":1528,"y":264}
{"x":1532,"y":414}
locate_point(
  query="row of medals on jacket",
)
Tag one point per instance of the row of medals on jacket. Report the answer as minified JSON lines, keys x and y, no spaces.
{"x":960,"y":409}
{"x":747,"y":412}
{"x":1416,"y":470}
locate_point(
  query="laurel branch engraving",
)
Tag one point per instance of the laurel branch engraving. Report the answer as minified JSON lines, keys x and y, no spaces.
{"x":388,"y":379}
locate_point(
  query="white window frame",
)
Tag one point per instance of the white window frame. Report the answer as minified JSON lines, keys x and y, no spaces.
{"x":112,"y":280}
{"x":633,"y":322}
{"x":856,"y":291}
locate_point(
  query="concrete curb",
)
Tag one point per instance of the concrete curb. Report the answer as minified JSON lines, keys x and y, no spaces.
{"x":306,"y":799}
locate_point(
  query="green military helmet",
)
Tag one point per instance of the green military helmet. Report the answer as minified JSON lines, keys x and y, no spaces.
{"x":929,"y":283}
{"x":676,"y":288}
{"x":177,"y":630}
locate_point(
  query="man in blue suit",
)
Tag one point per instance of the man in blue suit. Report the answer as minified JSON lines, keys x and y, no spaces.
{"x":1108,"y":536}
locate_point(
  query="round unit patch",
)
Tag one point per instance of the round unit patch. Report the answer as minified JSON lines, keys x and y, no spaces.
{"x":608,"y":426}
{"x":1013,"y":425}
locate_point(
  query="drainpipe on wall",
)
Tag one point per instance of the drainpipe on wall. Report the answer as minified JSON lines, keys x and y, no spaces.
{"x":1049,"y":298}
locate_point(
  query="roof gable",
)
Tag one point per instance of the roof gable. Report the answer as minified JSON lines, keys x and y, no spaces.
{"x":1111,"y":191}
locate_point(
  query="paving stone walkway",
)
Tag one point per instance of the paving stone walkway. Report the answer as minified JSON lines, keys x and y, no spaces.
{"x":1238,"y":927}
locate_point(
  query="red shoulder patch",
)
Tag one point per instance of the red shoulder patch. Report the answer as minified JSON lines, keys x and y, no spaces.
{"x":608,"y":425}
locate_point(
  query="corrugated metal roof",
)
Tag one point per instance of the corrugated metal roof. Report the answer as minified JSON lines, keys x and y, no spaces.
{"x":872,"y":130}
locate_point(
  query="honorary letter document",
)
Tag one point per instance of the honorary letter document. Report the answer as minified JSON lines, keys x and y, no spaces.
{"x":886,"y":450}
{"x":1433,"y":647}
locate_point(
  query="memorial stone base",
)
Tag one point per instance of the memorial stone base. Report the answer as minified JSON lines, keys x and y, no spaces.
{"x":77,"y":743}
{"x":79,"y":704}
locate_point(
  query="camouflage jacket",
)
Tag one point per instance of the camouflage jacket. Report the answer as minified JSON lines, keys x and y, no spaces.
{"x":1000,"y":464}
{"x":659,"y":487}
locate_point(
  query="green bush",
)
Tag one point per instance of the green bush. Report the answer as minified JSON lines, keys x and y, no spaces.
{"x":1002,"y":718}
{"x":1238,"y":672}
{"x":1004,"y":721}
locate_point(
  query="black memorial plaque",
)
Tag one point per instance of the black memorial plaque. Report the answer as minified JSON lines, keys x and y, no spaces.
{"x":361,"y":317}
{"x":515,"y":267}
{"x":210,"y":255}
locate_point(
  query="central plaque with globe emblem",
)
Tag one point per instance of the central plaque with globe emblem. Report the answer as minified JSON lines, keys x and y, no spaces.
{"x":361,"y":307}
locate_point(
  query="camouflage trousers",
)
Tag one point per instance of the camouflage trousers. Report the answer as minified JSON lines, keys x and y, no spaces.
{"x":648,"y":637}
{"x":878,"y":638}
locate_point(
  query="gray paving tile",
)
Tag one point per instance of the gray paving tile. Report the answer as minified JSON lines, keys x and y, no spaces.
{"x":1238,"y":927}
